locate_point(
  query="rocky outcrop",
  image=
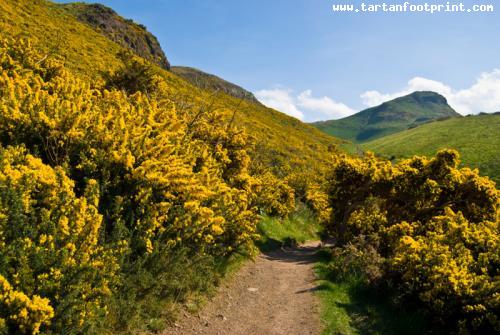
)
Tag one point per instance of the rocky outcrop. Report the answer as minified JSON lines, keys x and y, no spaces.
{"x":123,"y":31}
{"x":210,"y":82}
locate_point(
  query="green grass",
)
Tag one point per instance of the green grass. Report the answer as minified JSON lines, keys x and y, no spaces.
{"x":475,"y":137}
{"x":180,"y":280}
{"x":350,"y":307}
{"x":299,"y":227}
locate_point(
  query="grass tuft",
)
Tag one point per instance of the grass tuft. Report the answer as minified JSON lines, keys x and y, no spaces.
{"x":299,"y":227}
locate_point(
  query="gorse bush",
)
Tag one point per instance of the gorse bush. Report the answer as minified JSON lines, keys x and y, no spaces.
{"x":135,"y":75}
{"x":99,"y":183}
{"x":432,"y":227}
{"x":49,"y":242}
{"x":19,"y":313}
{"x":309,"y":188}
{"x":358,"y":262}
{"x":453,"y":267}
{"x":279,"y":142}
{"x":274,"y":196}
{"x":145,"y":157}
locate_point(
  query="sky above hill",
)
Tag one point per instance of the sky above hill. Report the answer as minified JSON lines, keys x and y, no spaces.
{"x":304,"y":59}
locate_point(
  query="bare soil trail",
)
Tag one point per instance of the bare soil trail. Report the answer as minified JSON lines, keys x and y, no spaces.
{"x":271,"y":296}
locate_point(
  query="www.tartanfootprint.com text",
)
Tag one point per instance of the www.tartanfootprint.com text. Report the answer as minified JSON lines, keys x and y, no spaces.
{"x":412,"y":7}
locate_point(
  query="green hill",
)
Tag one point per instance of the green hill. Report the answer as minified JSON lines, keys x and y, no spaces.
{"x":390,"y":117}
{"x":475,"y":137}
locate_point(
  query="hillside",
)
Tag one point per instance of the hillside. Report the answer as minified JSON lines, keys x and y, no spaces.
{"x":279,"y":140}
{"x":390,"y":117}
{"x":57,"y":33}
{"x":122,"y":31}
{"x":475,"y":137}
{"x":210,"y":82}
{"x":126,"y":190}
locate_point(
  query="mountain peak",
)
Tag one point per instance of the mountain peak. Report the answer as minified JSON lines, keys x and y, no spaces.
{"x":426,"y":97}
{"x":390,"y":117}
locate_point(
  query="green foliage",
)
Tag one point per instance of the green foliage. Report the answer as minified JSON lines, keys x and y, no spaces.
{"x":431,"y":227}
{"x":390,"y":117}
{"x":350,"y":306}
{"x":358,"y":261}
{"x":299,"y":227}
{"x":148,"y":297}
{"x":475,"y":137}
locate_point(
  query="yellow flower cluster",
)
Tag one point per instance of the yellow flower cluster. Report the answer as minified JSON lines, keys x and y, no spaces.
{"x":19,"y":314}
{"x":96,"y":180}
{"x":181,"y":177}
{"x":317,"y":199}
{"x":453,"y":265}
{"x":49,"y":239}
{"x":435,"y":225}
{"x":274,"y":196}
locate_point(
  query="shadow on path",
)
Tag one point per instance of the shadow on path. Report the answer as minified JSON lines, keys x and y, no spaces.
{"x":304,"y":254}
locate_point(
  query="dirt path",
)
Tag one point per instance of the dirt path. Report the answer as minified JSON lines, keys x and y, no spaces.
{"x":272,"y":296}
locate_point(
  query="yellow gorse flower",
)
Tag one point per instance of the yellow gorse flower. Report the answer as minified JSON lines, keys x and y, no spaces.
{"x":436,"y":226}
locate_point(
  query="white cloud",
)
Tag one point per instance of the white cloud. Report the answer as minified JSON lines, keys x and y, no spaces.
{"x":482,"y":96}
{"x":303,"y":104}
{"x":281,"y":100}
{"x":324,"y":105}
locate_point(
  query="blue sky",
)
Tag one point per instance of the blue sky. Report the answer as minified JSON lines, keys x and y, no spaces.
{"x":304,"y":59}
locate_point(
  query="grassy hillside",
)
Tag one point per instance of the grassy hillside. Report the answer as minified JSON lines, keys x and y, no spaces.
{"x":53,"y":30}
{"x":475,"y":137}
{"x":390,"y":117}
{"x":278,"y":139}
